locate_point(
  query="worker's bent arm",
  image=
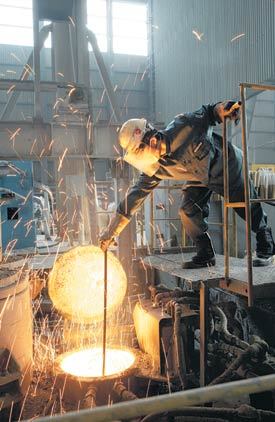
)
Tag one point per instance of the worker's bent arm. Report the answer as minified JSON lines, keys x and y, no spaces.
{"x":137,"y":195}
{"x":200,"y":119}
{"x":205,"y":116}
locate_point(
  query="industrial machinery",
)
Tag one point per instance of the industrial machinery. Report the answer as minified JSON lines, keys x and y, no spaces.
{"x":16,"y":335}
{"x":18,"y":225}
{"x":166,"y":345}
{"x":44,"y":213}
{"x":172,"y":339}
{"x":171,"y":319}
{"x":27,"y":209}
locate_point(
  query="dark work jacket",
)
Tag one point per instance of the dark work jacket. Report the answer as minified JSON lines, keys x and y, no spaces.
{"x":190,"y":150}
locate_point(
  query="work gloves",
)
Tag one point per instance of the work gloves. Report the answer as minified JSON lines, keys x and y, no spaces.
{"x":228,"y":109}
{"x":115,"y":227}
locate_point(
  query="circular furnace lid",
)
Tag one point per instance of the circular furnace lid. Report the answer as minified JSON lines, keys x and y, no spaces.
{"x":76,"y":284}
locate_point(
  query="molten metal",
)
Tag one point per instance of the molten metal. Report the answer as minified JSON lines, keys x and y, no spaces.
{"x":88,"y":362}
{"x":76,"y":283}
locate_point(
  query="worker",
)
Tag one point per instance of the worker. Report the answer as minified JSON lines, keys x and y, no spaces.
{"x":188,"y":150}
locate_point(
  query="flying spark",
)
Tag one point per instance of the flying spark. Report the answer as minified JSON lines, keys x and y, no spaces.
{"x":14,"y":134}
{"x":237,"y":37}
{"x":71,"y":20}
{"x":15,"y":57}
{"x":11,"y":88}
{"x":61,"y":159}
{"x":198,"y":35}
{"x":102,"y":96}
{"x":143,"y":75}
{"x":33,"y":145}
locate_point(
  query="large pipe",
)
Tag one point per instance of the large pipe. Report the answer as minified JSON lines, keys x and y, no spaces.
{"x":230,"y":338}
{"x":255,"y":351}
{"x":123,"y":394}
{"x":168,"y":402}
{"x":244,"y":412}
{"x":179,"y":295}
{"x":104,"y":74}
{"x":89,"y":401}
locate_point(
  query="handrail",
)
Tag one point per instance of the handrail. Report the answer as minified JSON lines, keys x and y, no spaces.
{"x":167,"y":402}
{"x":247,"y":200}
{"x":257,"y":87}
{"x":247,"y":197}
{"x":226,"y":201}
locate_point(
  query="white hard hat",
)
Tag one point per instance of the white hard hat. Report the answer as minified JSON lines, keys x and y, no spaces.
{"x":132,"y":133}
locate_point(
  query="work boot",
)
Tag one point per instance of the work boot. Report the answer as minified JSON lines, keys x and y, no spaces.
{"x":265,"y":248}
{"x":205,"y":254}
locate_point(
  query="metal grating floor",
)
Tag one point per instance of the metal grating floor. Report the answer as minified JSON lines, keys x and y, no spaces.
{"x":263,"y":277}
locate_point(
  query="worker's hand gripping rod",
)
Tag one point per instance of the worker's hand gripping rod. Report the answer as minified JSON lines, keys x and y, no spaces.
{"x":104,"y":315}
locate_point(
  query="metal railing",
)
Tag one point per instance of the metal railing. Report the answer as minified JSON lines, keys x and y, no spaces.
{"x":153,"y":219}
{"x":247,"y":200}
{"x":167,"y":402}
{"x":184,"y":237}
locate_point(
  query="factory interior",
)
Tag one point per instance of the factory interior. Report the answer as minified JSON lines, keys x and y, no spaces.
{"x":106,"y":311}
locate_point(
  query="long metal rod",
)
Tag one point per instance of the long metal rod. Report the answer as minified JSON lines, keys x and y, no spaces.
{"x":247,"y":199}
{"x":168,"y":402}
{"x":263,"y":200}
{"x":226,"y":200}
{"x":24,"y":85}
{"x":104,"y":314}
{"x":257,"y":87}
{"x":242,"y":204}
{"x":234,"y":204}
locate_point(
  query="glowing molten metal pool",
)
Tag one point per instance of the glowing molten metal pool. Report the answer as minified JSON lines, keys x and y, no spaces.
{"x":76,"y":284}
{"x":88,"y":362}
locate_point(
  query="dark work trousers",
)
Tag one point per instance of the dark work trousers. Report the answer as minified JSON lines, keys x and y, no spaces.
{"x":194,"y":210}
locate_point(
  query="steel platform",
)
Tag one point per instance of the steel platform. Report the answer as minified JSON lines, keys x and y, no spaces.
{"x":263,"y":277}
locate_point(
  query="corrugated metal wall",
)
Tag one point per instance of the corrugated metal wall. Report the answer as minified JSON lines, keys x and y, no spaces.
{"x":190,"y":71}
